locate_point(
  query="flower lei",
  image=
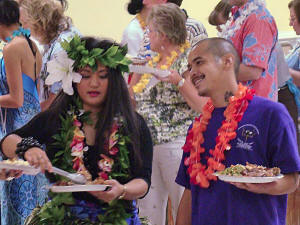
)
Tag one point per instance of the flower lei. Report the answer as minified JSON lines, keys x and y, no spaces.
{"x":141,"y":21}
{"x":113,"y":165}
{"x":202,"y":174}
{"x":229,"y":29}
{"x":143,"y":82}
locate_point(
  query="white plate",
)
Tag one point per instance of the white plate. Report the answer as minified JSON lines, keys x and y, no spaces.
{"x":79,"y":188}
{"x":244,"y":179}
{"x":139,"y":60}
{"x":26,"y":169}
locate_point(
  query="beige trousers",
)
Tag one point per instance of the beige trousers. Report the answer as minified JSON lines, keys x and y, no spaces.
{"x":166,"y":161}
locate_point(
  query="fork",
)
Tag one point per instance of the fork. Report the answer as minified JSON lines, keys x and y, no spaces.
{"x":75,"y":177}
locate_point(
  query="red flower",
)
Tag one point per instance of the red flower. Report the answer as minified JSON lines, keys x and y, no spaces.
{"x":113,"y":151}
{"x":103,"y":175}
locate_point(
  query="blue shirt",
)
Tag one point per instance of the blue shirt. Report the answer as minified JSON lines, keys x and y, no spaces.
{"x":265,"y":136}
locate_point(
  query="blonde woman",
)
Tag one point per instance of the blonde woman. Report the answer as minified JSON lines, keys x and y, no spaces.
{"x":162,"y":105}
{"x":49,"y":26}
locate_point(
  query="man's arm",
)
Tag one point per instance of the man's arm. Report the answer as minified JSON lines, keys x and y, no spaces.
{"x":247,"y":73}
{"x":286,"y":185}
{"x":184,"y":214}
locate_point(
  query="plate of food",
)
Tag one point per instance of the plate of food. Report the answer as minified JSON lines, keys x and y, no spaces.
{"x":67,"y":186}
{"x":19,"y":164}
{"x":249,"y":173}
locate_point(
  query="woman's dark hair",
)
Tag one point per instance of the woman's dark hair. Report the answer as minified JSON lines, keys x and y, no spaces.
{"x":9,"y":12}
{"x":117,"y":103}
{"x":295,"y":4}
{"x":135,"y":6}
{"x":222,"y":8}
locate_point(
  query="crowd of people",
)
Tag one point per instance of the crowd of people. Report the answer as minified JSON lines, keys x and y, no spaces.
{"x":157,"y":141}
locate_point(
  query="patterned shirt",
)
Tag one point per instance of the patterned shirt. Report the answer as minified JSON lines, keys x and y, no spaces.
{"x":166,"y":112}
{"x":255,"y":42}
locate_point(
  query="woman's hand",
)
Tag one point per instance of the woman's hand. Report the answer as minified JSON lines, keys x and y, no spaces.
{"x":114,"y":192}
{"x":173,"y":78}
{"x":38,"y":158}
{"x":9,"y":174}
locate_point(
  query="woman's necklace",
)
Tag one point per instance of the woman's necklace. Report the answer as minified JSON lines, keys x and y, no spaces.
{"x":19,"y":32}
{"x":229,"y":29}
{"x":202,"y":174}
{"x":143,"y":82}
{"x":141,"y":21}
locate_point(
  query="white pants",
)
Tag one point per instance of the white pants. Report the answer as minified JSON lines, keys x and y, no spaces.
{"x":166,"y":161}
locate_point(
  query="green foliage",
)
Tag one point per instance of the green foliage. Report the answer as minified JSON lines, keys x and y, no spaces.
{"x":56,"y":211}
{"x":113,"y":57}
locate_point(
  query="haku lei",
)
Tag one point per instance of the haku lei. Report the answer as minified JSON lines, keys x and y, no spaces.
{"x":229,"y":29}
{"x":143,"y":82}
{"x":114,"y":164}
{"x":141,"y":21}
{"x":202,"y":174}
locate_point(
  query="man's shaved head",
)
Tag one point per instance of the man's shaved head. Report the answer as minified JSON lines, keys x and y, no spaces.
{"x":219,"y":47}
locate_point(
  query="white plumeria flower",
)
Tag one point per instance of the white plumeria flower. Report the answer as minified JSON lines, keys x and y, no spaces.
{"x":60,"y":69}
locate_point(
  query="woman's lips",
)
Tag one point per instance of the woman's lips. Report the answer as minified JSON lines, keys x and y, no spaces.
{"x":93,"y":93}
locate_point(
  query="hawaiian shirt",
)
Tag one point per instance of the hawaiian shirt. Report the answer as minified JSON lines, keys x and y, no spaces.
{"x":255,"y":42}
{"x":166,"y":112}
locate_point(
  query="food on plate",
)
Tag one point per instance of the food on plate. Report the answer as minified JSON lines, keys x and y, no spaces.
{"x":250,"y":170}
{"x":18,"y":162}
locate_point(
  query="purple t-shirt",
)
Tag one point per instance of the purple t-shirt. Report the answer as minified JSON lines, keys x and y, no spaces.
{"x":265,"y":136}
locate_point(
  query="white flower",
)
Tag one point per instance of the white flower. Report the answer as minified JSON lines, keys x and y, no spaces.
{"x":60,"y":69}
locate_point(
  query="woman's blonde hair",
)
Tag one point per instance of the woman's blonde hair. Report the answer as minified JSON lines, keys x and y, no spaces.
{"x":46,"y":18}
{"x":170,"y":20}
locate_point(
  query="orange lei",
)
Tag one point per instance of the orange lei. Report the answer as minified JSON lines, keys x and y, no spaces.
{"x":202,"y":174}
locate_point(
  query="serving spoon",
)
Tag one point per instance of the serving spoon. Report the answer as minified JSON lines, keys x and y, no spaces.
{"x":74,"y":177}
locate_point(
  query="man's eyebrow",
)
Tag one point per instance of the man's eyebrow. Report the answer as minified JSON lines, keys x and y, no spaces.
{"x":195,"y":59}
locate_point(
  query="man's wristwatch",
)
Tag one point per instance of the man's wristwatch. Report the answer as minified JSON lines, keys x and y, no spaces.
{"x":181,"y":83}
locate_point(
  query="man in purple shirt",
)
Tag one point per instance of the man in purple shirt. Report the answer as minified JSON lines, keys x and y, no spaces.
{"x":265,"y":136}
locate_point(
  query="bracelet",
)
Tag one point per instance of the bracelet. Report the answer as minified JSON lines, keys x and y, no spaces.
{"x":25,"y":145}
{"x":123,"y":193}
{"x":181,"y":83}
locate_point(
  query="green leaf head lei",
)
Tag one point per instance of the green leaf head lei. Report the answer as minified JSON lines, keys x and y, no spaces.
{"x":114,"y":57}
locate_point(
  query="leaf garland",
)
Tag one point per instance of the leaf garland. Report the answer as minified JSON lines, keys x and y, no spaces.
{"x":113,"y":57}
{"x":56,"y":211}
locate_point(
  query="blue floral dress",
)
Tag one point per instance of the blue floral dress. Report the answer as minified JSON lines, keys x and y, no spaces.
{"x":20,"y":196}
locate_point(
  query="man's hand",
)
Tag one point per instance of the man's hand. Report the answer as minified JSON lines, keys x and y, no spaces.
{"x":285,"y":185}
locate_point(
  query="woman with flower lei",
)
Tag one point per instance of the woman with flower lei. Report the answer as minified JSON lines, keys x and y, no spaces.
{"x":19,"y":101}
{"x":90,"y":129}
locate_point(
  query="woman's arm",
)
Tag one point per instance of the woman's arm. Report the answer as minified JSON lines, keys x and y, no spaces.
{"x":35,"y":156}
{"x":132,"y":190}
{"x":296,"y":76}
{"x":187,"y":90}
{"x":12,"y":59}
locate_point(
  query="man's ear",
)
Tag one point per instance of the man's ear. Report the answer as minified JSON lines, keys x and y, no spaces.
{"x":228,"y":61}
